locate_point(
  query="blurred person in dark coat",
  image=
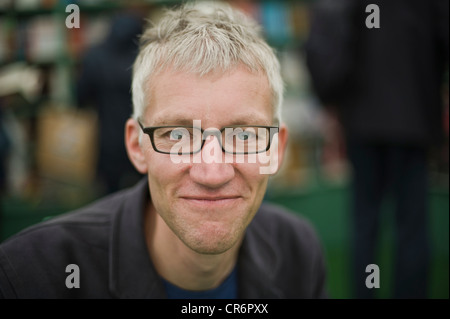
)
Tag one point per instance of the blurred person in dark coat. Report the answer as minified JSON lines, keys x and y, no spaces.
{"x":105,"y":83}
{"x":386,"y":85}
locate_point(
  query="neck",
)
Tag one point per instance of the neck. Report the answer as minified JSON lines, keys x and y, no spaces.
{"x":179,"y":264}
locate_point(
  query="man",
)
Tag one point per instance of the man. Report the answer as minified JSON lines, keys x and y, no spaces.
{"x":207,"y":91}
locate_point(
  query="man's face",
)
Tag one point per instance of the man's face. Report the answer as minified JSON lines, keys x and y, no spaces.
{"x":207,"y":205}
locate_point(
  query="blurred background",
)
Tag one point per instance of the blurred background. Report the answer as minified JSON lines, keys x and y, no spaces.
{"x":64,"y":97}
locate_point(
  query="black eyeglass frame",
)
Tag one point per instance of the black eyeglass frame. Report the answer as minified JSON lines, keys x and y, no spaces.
{"x":149,"y":130}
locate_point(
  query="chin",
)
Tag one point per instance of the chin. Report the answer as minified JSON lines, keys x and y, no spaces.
{"x":208,"y":250}
{"x":212,"y":244}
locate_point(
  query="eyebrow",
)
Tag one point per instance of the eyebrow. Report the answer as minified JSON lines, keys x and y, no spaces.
{"x":255,"y":120}
{"x":173,"y":121}
{"x":183,"y":121}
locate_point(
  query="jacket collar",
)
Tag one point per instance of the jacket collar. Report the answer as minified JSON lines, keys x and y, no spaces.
{"x":257,"y":263}
{"x":133,"y":275}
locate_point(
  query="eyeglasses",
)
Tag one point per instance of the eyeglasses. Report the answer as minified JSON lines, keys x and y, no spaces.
{"x":234,"y":139}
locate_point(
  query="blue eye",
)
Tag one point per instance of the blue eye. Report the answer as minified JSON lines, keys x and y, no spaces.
{"x":177,"y":134}
{"x":245,"y":136}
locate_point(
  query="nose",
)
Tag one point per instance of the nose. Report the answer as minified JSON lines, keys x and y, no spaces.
{"x":210,"y":169}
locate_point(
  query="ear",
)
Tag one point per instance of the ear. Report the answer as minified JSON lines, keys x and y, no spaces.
{"x":134,"y":150}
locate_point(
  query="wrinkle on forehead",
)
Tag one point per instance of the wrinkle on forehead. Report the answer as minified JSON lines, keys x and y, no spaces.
{"x":240,"y":97}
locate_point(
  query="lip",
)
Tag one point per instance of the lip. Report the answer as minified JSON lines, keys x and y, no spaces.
{"x":209,"y":198}
{"x":211,"y":201}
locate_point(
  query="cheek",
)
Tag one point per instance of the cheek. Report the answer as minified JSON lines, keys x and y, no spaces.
{"x":163,"y":176}
{"x":259,"y":165}
{"x":162,"y":166}
{"x":256,"y":182}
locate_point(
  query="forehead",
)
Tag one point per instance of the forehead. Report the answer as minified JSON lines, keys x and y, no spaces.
{"x":234,"y":97}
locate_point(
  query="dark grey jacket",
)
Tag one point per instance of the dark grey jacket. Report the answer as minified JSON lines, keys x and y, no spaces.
{"x":280,"y":257}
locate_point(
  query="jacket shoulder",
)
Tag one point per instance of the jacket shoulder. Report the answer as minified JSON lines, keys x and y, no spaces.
{"x":97,"y":213}
{"x":278,"y":220}
{"x":36,"y":258}
{"x":297,"y":257}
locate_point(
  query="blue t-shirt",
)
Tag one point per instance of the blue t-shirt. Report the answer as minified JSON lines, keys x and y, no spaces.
{"x":227,"y":290}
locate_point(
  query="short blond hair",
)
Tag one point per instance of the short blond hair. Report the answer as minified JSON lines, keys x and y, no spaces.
{"x":202,"y":39}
